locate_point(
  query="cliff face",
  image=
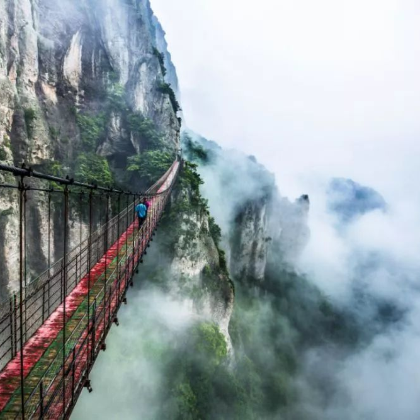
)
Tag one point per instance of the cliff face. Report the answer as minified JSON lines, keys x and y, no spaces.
{"x":58,"y":56}
{"x":261,"y":228}
{"x":197,"y":275}
{"x":195,"y":267}
{"x":78,"y":79}
{"x":272,"y":230}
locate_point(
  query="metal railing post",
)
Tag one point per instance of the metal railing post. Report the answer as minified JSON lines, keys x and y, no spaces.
{"x":11,"y":329}
{"x":43,"y":303}
{"x":25,"y":231}
{"x":41,"y":400}
{"x":118,"y":243}
{"x":21,"y":268}
{"x":73,"y":376}
{"x":127,"y":261}
{"x":15,"y":322}
{"x":106,"y":256}
{"x":79,"y":275}
{"x":89,"y":272}
{"x":134,"y":233}
{"x":49,"y":253}
{"x":93,"y":329}
{"x":66,"y":227}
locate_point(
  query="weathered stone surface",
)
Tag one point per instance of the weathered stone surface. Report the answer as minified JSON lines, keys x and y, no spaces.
{"x":58,"y":58}
{"x":195,"y":252}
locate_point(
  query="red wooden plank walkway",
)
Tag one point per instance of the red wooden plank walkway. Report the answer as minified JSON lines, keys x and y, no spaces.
{"x":43,"y":349}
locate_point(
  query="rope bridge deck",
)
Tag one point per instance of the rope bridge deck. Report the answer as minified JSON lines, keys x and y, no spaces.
{"x":54,"y":361}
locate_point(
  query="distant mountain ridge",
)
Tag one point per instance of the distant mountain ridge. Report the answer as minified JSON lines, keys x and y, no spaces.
{"x":349,"y":200}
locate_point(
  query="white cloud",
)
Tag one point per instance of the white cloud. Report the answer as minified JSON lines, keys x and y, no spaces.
{"x":321,"y":89}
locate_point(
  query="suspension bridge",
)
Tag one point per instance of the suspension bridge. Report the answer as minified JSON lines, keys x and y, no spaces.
{"x":53,"y":328}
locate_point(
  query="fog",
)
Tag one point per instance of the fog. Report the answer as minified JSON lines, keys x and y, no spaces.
{"x":317,"y":90}
{"x":129,"y":380}
{"x":311,"y":88}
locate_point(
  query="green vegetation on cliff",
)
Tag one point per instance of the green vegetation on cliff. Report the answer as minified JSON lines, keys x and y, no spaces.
{"x":146,"y":130}
{"x":30,"y":117}
{"x":194,"y":151}
{"x":93,"y":169}
{"x":166,"y":89}
{"x":150,"y":165}
{"x":92,"y":130}
{"x":161,"y":59}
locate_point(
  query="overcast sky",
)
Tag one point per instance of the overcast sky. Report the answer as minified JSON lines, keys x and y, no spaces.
{"x":313,"y":89}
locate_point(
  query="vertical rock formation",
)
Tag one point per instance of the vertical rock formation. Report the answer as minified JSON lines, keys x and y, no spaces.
{"x":72,"y":73}
{"x":194,"y":265}
{"x":261,"y":228}
{"x":271,"y":230}
{"x":249,"y":241}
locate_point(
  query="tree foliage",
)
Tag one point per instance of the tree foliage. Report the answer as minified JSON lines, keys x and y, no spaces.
{"x":3,"y":153}
{"x":29,"y":116}
{"x":161,"y":58}
{"x":166,"y":89}
{"x":210,"y":343}
{"x":194,"y":151}
{"x":150,"y":165}
{"x":146,"y":130}
{"x":93,"y":169}
{"x":215,"y":231}
{"x":116,"y":98}
{"x":191,"y":180}
{"x":92,"y":129}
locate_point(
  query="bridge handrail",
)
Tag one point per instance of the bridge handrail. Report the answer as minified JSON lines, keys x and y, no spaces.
{"x":74,"y":353}
{"x":123,"y":213}
{"x":8,"y":306}
{"x":58,"y":356}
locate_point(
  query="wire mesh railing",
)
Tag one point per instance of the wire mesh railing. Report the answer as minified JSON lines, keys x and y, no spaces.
{"x":53,"y":394}
{"x":45,"y":293}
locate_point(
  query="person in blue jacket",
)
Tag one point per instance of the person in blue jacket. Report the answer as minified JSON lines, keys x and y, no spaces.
{"x":141,"y":211}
